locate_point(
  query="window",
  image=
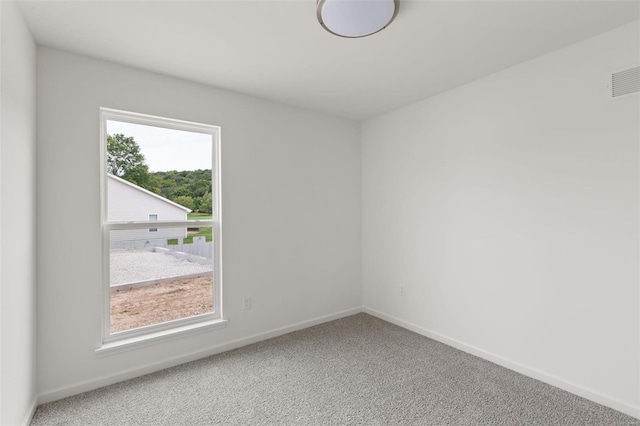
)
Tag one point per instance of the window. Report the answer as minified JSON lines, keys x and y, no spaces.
{"x":167,"y":279}
{"x":153,"y":218}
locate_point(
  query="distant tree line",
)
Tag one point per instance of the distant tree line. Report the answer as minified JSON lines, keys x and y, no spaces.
{"x":189,"y":188}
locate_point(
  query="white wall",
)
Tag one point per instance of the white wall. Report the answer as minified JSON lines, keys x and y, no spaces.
{"x":290,"y":204}
{"x":17,"y":218}
{"x":508,"y":209}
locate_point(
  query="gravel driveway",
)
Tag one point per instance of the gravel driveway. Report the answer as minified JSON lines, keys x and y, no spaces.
{"x":129,"y":266}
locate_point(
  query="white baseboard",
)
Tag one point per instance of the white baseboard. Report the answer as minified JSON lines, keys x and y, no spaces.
{"x":550,"y":379}
{"x":56,"y":394}
{"x":32,"y":410}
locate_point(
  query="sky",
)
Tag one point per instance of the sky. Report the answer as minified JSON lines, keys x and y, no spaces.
{"x":167,"y":149}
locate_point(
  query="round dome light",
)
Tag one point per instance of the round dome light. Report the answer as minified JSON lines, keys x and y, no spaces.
{"x":356,"y":18}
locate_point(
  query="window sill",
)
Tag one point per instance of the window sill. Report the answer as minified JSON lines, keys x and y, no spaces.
{"x":158,"y":337}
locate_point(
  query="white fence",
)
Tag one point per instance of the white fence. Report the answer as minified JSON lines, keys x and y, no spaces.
{"x":199,"y":247}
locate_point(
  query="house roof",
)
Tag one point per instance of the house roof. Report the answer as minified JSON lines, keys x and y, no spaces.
{"x":166,"y":200}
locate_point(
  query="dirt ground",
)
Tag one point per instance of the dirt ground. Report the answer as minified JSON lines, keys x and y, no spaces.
{"x":161,"y":302}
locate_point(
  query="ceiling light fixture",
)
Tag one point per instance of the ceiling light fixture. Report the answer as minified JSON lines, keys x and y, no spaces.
{"x":356,"y":18}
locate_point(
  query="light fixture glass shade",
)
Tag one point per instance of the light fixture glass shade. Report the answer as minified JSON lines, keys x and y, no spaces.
{"x":356,"y":18}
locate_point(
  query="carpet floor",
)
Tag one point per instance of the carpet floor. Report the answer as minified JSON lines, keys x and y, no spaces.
{"x":357,"y":370}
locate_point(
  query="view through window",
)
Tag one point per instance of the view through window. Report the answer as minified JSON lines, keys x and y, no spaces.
{"x":161,"y":172}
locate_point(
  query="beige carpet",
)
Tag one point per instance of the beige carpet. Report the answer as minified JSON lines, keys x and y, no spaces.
{"x":354,"y":371}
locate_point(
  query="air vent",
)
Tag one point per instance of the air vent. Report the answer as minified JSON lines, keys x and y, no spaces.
{"x":625,"y":82}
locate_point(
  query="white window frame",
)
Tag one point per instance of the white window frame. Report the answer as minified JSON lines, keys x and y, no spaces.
{"x":153,"y":220}
{"x":114,"y":342}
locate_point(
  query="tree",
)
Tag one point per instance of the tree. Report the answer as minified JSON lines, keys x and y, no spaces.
{"x":197,"y":201}
{"x":125,"y":160}
{"x":206,"y":203}
{"x":200,"y":186}
{"x":185,"y":200}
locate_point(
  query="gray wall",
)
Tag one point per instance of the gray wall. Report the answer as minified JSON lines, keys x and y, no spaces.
{"x":290,"y":208}
{"x":508,"y":210}
{"x":17,"y":218}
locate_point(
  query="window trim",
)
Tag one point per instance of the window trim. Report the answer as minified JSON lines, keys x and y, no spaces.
{"x":153,"y":220}
{"x":183,"y":325}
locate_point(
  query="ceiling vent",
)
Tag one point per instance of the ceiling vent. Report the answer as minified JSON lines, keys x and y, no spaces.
{"x":624,"y":82}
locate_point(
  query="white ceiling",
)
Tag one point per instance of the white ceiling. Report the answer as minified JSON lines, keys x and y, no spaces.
{"x":277,"y":50}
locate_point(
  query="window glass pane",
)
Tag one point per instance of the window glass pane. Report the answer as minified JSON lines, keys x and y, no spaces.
{"x":154,"y":280}
{"x":159,"y":271}
{"x":153,"y":169}
{"x":153,"y":218}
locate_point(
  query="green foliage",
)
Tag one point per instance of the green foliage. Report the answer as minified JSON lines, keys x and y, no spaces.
{"x":185,"y":200}
{"x":194,"y":184}
{"x":125,"y":160}
{"x":206,"y":203}
{"x":190,"y":188}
